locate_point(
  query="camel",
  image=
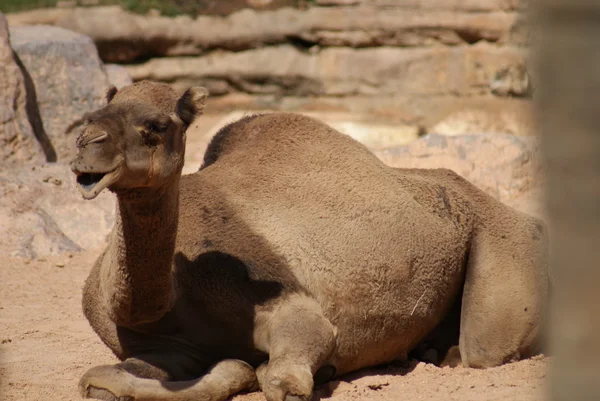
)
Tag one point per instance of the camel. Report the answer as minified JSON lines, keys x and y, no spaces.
{"x":292,"y":256}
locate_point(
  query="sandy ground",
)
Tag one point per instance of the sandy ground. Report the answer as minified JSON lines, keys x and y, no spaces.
{"x":46,"y":345}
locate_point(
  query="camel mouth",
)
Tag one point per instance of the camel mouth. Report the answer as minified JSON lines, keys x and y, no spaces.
{"x":90,"y":184}
{"x":89,"y":180}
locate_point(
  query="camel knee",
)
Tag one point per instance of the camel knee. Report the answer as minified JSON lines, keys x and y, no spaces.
{"x":298,"y":332}
{"x":299,"y":340}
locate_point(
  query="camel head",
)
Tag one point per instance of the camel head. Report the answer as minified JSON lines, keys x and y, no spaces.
{"x":137,"y":140}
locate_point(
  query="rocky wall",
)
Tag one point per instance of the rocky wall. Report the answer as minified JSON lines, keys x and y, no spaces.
{"x":429,"y":52}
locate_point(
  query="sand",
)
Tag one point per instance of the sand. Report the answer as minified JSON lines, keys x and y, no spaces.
{"x":46,"y":345}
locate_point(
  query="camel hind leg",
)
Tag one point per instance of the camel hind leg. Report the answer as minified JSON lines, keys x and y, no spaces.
{"x":117,"y":383}
{"x":506,"y":285}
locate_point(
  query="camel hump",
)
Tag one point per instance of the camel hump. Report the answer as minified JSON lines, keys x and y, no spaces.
{"x":275,"y":132}
{"x":219,"y":142}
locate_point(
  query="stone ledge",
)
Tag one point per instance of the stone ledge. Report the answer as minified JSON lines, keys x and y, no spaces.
{"x":133,"y":37}
{"x":458,"y":71}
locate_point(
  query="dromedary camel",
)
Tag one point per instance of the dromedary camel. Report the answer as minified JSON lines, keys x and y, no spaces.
{"x":293,"y":255}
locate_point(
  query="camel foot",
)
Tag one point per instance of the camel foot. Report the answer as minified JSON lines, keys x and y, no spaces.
{"x":107,"y":383}
{"x":104,"y":395}
{"x":286,"y":383}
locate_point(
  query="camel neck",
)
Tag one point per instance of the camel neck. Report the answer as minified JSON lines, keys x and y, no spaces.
{"x":141,"y":255}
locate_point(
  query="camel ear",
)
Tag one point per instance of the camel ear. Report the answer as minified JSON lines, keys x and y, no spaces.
{"x":110,"y":93}
{"x":191,"y":104}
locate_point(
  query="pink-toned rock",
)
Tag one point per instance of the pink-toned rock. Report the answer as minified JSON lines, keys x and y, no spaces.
{"x":504,"y":166}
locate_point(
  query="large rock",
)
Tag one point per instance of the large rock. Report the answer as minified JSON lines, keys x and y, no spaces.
{"x":68,"y":77}
{"x":42,"y":213}
{"x":134,"y":36}
{"x":505,"y":166}
{"x":434,"y":71}
{"x":18,"y":143}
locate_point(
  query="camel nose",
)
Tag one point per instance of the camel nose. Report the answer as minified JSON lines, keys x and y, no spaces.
{"x":73,"y":165}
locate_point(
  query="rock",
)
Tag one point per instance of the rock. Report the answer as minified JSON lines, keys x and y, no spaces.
{"x":42,"y":213}
{"x":133,"y":37}
{"x":514,"y":117}
{"x":381,"y":71}
{"x":117,"y":75}
{"x":68,"y":76}
{"x":18,"y":143}
{"x":512,"y":81}
{"x":505,"y":166}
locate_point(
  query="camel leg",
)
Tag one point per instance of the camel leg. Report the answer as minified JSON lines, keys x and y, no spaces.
{"x":504,"y":296}
{"x":299,"y":340}
{"x":116,"y":383}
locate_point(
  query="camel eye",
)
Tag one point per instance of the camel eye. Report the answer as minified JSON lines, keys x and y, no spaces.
{"x":156,"y":126}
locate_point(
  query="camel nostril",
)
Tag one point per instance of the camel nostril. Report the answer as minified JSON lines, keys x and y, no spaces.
{"x":73,"y":166}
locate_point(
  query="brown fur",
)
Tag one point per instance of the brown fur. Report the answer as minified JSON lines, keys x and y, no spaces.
{"x":294,"y":251}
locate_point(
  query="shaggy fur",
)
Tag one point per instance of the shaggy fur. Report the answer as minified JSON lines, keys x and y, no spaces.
{"x":293,"y":255}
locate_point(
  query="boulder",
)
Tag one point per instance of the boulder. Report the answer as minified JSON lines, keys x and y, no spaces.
{"x":505,"y":166}
{"x":18,"y":143}
{"x":134,"y":37}
{"x":42,"y":213}
{"x":68,"y":79}
{"x":342,"y":71}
